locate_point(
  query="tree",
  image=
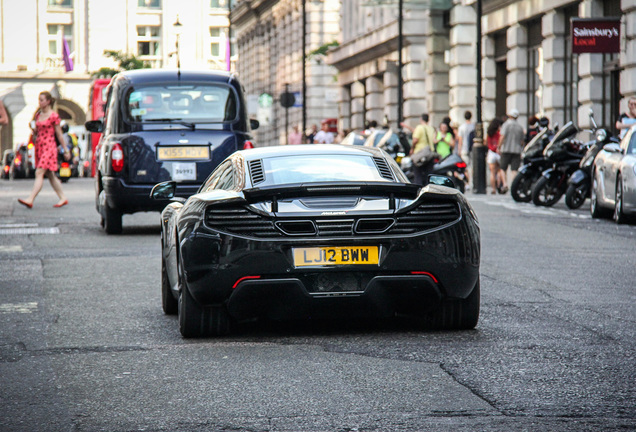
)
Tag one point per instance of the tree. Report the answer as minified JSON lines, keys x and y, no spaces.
{"x":126,"y":62}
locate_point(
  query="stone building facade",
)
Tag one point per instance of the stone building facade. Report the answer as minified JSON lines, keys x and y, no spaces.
{"x":269,"y":37}
{"x":527,"y":61}
{"x":31,"y":41}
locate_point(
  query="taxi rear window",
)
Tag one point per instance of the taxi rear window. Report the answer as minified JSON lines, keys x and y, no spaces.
{"x":192,"y":103}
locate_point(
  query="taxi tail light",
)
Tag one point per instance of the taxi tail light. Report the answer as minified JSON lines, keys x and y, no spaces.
{"x":244,"y":278}
{"x":248,"y":145}
{"x":117,"y":157}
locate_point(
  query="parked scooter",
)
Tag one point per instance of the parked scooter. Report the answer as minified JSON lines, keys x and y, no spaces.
{"x":452,"y":166}
{"x":580,"y":182}
{"x":564,"y":153}
{"x":533,"y":165}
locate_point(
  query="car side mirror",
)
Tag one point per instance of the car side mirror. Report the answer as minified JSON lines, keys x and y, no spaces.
{"x":164,"y":191}
{"x":440,"y":180}
{"x":94,"y":126}
{"x":254,"y":124}
{"x":612,"y":148}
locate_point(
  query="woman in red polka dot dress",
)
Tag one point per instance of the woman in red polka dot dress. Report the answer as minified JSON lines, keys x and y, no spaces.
{"x":47,"y":125}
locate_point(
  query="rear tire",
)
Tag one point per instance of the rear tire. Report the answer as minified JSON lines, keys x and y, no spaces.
{"x":619,"y":216}
{"x":595,"y":210}
{"x":459,"y":314}
{"x":575,"y":196}
{"x":169,"y":304}
{"x":112,"y":221}
{"x":544,"y":193}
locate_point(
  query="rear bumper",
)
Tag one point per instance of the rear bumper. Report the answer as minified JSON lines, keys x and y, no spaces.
{"x":384,"y":296}
{"x":131,"y":198}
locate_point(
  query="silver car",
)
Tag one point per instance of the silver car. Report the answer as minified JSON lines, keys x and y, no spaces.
{"x":614,"y":179}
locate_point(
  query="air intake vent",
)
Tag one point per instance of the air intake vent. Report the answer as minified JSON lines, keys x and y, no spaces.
{"x":239,"y":220}
{"x":426,"y":216}
{"x":383,"y":167}
{"x":256,"y":171}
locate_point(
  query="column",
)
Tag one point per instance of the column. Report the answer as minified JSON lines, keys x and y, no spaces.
{"x":628,"y":56}
{"x":590,"y":87}
{"x":374,"y":99}
{"x":462,"y":74}
{"x":344,"y":108}
{"x":553,"y":32}
{"x":390,"y":81}
{"x":357,"y":105}
{"x":488,"y":83}
{"x":517,"y":63}
{"x":436,"y":85}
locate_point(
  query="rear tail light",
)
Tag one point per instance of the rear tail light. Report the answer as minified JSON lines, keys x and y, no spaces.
{"x":244,"y":278}
{"x":6,"y":168}
{"x":117,"y":157}
{"x":64,"y":164}
{"x":426,"y":274}
{"x":248,"y":145}
{"x":18,"y":160}
{"x":460,"y":164}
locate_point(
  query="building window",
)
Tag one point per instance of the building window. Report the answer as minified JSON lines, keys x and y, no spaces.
{"x":216,"y":38}
{"x":148,"y":41}
{"x":155,"y":4}
{"x":56,"y":35}
{"x":501,"y":74}
{"x":61,"y":3}
{"x":221,"y":4}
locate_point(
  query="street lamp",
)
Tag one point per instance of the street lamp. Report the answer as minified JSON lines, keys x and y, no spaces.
{"x":178,"y":28}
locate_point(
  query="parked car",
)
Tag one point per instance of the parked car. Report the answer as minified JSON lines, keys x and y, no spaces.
{"x":7,"y":158}
{"x":164,"y":125}
{"x":316,"y":231}
{"x":614,"y":180}
{"x":355,"y":138}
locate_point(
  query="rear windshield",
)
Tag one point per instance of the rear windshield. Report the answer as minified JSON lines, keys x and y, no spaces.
{"x":320,"y":168}
{"x":192,"y":103}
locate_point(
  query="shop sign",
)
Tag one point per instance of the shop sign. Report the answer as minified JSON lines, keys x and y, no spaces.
{"x":595,"y":35}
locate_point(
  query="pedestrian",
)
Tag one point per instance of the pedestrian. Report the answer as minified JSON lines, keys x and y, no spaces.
{"x":465,"y":139}
{"x":311,"y":133}
{"x":628,"y":119}
{"x":497,"y":177}
{"x":445,"y":140}
{"x":423,"y":136}
{"x":324,"y":136}
{"x":46,"y":128}
{"x":511,"y":143}
{"x":533,"y":128}
{"x":295,"y":137}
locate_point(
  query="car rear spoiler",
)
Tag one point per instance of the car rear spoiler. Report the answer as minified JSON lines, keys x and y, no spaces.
{"x":298,"y":190}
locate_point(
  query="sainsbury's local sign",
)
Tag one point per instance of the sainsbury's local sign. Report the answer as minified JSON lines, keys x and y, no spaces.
{"x":596,"y":35}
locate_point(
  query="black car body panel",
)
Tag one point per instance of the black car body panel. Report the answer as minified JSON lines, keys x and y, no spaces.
{"x":165,"y":125}
{"x":242,"y":249}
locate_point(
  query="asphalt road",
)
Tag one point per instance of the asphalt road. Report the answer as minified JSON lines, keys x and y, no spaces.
{"x":84,"y":345}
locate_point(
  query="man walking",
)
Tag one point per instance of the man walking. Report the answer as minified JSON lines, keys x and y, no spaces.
{"x":511,"y":143}
{"x":423,"y":135}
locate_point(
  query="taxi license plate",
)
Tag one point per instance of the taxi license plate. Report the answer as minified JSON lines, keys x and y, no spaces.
{"x":341,"y":255}
{"x":172,"y":153}
{"x":65,"y":172}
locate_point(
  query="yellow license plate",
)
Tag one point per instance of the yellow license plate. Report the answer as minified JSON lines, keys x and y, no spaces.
{"x":65,"y":172}
{"x":326,"y":256}
{"x":171,"y":153}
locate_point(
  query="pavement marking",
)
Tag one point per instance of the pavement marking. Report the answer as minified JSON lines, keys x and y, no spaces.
{"x":10,"y":249}
{"x":35,"y":230}
{"x":23,"y":308}
{"x":22,"y":225}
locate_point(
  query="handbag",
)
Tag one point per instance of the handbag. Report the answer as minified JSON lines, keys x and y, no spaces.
{"x":423,"y":157}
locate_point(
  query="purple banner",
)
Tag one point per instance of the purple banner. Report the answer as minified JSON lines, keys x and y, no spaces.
{"x":66,"y":55}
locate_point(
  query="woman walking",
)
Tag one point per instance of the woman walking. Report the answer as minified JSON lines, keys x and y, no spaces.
{"x":47,"y":127}
{"x":497,"y":177}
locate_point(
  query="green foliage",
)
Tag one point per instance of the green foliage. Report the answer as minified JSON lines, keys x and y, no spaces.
{"x":126,"y":62}
{"x":321,"y":51}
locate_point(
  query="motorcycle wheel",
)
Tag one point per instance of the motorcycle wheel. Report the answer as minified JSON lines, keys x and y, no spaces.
{"x":575,"y":195}
{"x":545,"y":192}
{"x":521,"y":187}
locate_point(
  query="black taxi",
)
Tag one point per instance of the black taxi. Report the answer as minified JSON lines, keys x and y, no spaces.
{"x":162,"y":125}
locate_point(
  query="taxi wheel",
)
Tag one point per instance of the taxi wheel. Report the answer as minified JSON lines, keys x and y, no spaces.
{"x":112,"y":221}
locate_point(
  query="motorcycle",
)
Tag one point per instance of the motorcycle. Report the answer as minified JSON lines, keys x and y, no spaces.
{"x":452,"y":166}
{"x":533,"y":165}
{"x":580,"y":182}
{"x":564,"y":154}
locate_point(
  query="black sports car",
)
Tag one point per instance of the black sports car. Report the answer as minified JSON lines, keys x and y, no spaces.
{"x":314,"y":231}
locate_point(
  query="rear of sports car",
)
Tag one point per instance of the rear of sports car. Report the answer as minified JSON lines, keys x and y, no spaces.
{"x":372,"y":250}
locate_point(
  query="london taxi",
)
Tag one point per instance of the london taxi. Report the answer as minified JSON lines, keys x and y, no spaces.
{"x":164,"y":125}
